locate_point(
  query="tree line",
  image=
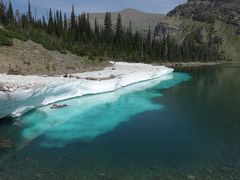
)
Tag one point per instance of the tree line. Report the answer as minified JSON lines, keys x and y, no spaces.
{"x":114,"y":41}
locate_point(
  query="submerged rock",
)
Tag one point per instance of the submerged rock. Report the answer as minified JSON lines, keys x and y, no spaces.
{"x":56,"y":106}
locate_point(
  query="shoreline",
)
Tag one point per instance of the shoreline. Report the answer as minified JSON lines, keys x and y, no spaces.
{"x":109,"y":65}
{"x":191,"y":64}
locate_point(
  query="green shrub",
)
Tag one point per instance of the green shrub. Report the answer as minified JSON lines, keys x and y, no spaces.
{"x":91,"y":58}
{"x":13,"y":34}
{"x":5,"y":41}
{"x":18,"y":35}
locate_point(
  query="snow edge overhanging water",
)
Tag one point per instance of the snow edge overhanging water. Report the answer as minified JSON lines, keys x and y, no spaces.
{"x":38,"y":91}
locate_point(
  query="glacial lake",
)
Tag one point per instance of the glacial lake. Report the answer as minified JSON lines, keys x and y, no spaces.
{"x":186,"y":127}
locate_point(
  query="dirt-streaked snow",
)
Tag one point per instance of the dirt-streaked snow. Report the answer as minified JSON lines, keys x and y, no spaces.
{"x":19,"y":94}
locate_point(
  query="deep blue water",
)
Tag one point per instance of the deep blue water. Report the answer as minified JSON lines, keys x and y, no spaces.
{"x":184,"y":127}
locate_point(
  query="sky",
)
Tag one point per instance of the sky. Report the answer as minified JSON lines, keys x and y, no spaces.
{"x":42,"y":6}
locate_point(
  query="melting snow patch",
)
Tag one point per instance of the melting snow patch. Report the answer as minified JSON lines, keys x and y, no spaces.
{"x":23,"y":93}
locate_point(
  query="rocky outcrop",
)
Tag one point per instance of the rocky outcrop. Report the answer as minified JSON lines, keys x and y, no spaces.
{"x":211,"y":25}
{"x":210,"y":10}
{"x":217,"y":1}
{"x":163,"y":29}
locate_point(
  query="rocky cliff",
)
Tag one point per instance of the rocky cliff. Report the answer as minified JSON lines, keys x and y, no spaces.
{"x":215,"y":23}
{"x":210,"y":10}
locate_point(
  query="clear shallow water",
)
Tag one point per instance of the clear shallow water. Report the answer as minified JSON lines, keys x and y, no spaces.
{"x":178,"y":128}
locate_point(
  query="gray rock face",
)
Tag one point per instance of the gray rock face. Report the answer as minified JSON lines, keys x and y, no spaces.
{"x":214,"y":24}
{"x":163,"y":29}
{"x":217,"y":1}
{"x":227,"y":11}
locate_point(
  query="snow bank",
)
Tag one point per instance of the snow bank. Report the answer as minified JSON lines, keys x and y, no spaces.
{"x":23,"y":93}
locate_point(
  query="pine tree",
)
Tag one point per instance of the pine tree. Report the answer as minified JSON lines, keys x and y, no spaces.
{"x":73,"y":20}
{"x":79,"y":28}
{"x":60,"y":22}
{"x":108,"y":27}
{"x":29,"y":12}
{"x":50,"y":22}
{"x":84,"y":40}
{"x":149,"y":40}
{"x":82,"y":27}
{"x":137,"y":41}
{"x":96,"y":28}
{"x":83,"y":24}
{"x":56,"y":23}
{"x":2,"y":12}
{"x":119,"y":31}
{"x":57,"y":17}
{"x":65,"y":22}
{"x":129,"y":36}
{"x":129,"y":29}
{"x":10,"y":16}
{"x":89,"y":31}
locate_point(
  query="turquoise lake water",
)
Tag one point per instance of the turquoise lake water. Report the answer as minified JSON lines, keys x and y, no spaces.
{"x":185,"y":127}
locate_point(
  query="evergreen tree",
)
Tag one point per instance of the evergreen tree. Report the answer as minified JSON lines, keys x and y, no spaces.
{"x":129,"y":36}
{"x":149,"y":40}
{"x":129,"y":29}
{"x":79,"y":31}
{"x":108,"y":27}
{"x":96,"y":28}
{"x":122,"y":43}
{"x":2,"y":12}
{"x":73,"y":20}
{"x":29,"y":12}
{"x":82,"y":27}
{"x":65,"y":22}
{"x":60,"y":22}
{"x":137,"y":41}
{"x":10,"y":16}
{"x":57,"y":17}
{"x":82,"y":24}
{"x":23,"y":21}
{"x":89,"y":31}
{"x":50,"y":22}
{"x":57,"y":22}
{"x":119,"y":30}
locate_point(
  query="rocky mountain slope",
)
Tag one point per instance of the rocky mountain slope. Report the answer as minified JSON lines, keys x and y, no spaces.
{"x":28,"y":57}
{"x":139,"y":20}
{"x":227,"y":11}
{"x":215,"y":23}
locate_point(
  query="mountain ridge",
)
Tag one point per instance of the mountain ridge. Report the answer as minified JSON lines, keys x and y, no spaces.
{"x":139,"y":20}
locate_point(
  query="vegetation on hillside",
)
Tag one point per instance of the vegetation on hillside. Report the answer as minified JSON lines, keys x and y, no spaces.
{"x":216,"y":21}
{"x":115,"y":42}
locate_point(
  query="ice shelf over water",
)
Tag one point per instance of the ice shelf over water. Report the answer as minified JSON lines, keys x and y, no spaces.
{"x":19,"y":94}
